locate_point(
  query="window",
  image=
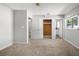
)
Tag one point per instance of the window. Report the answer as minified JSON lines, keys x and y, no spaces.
{"x":72,"y":22}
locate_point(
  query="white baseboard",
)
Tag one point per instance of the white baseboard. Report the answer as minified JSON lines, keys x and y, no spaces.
{"x":20,"y":43}
{"x":6,"y":46}
{"x":72,"y":43}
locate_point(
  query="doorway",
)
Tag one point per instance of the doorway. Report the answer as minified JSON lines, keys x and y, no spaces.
{"x":59,"y":29}
{"x":47,"y":28}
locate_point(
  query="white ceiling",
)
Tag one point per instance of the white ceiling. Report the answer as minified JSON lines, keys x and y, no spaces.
{"x":52,"y":8}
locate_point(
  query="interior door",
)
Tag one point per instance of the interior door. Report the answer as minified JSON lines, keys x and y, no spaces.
{"x":47,"y":28}
{"x":20,"y":26}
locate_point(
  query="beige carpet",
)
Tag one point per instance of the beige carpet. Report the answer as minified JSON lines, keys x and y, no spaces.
{"x":41,"y":47}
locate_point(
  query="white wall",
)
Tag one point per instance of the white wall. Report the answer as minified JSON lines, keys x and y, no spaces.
{"x":72,"y":35}
{"x":5,"y":27}
{"x":60,"y":28}
{"x":37,"y":26}
{"x":53,"y":27}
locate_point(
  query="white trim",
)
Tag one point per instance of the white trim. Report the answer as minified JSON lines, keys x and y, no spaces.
{"x":27,"y":27}
{"x":6,"y":46}
{"x":72,"y":43}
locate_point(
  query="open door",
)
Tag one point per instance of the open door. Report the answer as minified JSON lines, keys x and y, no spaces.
{"x":47,"y":28}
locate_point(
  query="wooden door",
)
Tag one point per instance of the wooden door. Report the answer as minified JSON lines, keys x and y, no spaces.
{"x":47,"y":27}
